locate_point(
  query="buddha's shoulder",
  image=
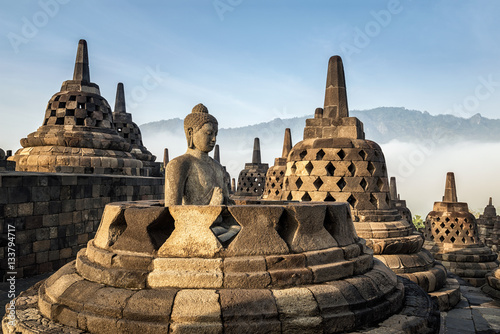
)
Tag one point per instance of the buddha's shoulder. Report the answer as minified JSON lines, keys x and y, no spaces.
{"x":181,"y":161}
{"x":217,"y":165}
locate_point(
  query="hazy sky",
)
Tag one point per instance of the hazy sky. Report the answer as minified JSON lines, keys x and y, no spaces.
{"x":250,"y":61}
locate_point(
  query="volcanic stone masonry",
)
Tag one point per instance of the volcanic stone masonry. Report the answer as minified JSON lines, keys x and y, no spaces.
{"x":77,"y":134}
{"x":451,"y":236}
{"x":66,"y":172}
{"x":228,"y":177}
{"x":56,"y":214}
{"x":6,"y":165}
{"x":398,"y":203}
{"x":334,"y":162}
{"x":276,"y":174}
{"x":252,"y":179}
{"x":486,"y":224}
{"x":289,"y":268}
{"x":122,"y":121}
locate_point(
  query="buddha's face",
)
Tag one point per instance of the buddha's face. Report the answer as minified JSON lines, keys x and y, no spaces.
{"x":204,"y":138}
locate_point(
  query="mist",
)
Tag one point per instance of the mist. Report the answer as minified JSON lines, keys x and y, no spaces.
{"x":420,"y":168}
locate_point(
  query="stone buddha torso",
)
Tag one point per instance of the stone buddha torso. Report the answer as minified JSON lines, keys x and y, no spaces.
{"x":201,"y":177}
{"x":194,"y":178}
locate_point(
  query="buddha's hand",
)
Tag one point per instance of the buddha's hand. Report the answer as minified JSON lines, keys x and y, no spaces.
{"x":217,"y":197}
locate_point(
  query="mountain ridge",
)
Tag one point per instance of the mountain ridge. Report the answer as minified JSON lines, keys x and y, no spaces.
{"x":381,"y":124}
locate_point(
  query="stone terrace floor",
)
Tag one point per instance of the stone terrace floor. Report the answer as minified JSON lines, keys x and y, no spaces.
{"x":475,"y":313}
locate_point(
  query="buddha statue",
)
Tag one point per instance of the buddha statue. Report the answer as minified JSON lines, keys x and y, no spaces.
{"x":194,"y":178}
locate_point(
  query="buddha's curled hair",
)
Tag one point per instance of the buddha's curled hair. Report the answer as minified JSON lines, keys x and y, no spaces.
{"x":198,"y":117}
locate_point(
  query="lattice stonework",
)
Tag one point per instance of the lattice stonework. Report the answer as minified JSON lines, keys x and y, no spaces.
{"x":130,"y":132}
{"x":251,"y":182}
{"x":274,"y":183}
{"x":457,"y":230}
{"x":354,"y":175}
{"x":78,"y":108}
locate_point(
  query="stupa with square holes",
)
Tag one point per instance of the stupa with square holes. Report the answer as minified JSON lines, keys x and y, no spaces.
{"x":451,"y":236}
{"x":77,"y":134}
{"x":335,"y":163}
{"x":126,"y":128}
{"x":164,"y":267}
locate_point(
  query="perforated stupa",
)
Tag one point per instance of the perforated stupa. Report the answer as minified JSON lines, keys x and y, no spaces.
{"x":276,"y":174}
{"x":486,"y":225}
{"x":335,"y":163}
{"x":452,"y":237}
{"x":252,"y":179}
{"x":77,"y":134}
{"x":126,"y":128}
{"x":398,"y":203}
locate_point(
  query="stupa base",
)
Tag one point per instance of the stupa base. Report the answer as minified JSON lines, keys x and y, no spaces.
{"x":157,"y":269}
{"x":448,"y":296}
{"x":418,"y":267}
{"x":418,"y":315}
{"x":492,"y":286}
{"x":470,"y":263}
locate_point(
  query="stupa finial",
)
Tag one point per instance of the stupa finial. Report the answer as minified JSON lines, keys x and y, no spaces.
{"x":287,"y":143}
{"x":393,"y":191}
{"x":256,"y":151}
{"x":217,"y":153}
{"x":120,"y":99}
{"x":450,"y":191}
{"x":165,"y":157}
{"x":490,"y":201}
{"x":82,"y":71}
{"x":335,"y":93}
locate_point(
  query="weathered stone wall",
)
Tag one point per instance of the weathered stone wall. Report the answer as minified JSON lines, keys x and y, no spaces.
{"x":56,"y":214}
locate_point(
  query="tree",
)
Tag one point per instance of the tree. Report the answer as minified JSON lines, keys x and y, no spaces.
{"x":418,"y":221}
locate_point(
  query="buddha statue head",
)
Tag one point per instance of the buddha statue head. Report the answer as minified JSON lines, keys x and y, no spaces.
{"x":201,"y":129}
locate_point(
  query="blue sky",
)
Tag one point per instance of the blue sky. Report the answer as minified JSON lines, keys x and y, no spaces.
{"x":250,"y":61}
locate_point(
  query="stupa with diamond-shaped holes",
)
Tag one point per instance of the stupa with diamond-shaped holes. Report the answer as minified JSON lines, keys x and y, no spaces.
{"x":252,"y":179}
{"x":77,"y":135}
{"x":335,"y":163}
{"x":452,"y":237}
{"x":276,"y":174}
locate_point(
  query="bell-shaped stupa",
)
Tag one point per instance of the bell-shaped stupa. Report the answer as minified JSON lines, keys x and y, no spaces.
{"x":276,"y":174}
{"x":252,"y":179}
{"x":399,"y":203}
{"x":217,"y":158}
{"x":335,"y":163}
{"x":486,"y":224}
{"x":126,"y":128}
{"x":451,"y":236}
{"x":77,"y":134}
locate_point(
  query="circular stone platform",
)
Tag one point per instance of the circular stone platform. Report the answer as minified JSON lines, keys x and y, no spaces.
{"x":291,"y":268}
